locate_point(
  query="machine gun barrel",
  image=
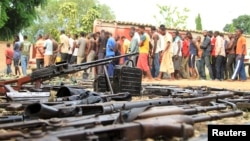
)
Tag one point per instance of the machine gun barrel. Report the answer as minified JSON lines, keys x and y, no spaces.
{"x":172,"y":110}
{"x":56,"y":70}
{"x":113,"y":107}
{"x":106,"y":108}
{"x":202,"y":118}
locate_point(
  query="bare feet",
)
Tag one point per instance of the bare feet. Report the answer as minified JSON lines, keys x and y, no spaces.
{"x":230,"y":80}
{"x":158,"y":79}
{"x":171,"y":79}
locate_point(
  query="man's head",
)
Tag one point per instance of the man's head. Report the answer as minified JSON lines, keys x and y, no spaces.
{"x":117,"y":38}
{"x":123,"y":38}
{"x":222,"y":35}
{"x":25,"y":37}
{"x":17,"y":38}
{"x":189,"y":35}
{"x":82,"y":34}
{"x":132,"y":31}
{"x":162,"y":29}
{"x":75,"y":36}
{"x":210,"y":33}
{"x":62,"y":31}
{"x":91,"y":35}
{"x":175,"y":33}
{"x":8,"y":45}
{"x":183,"y":36}
{"x":205,"y":33}
{"x":97,"y":34}
{"x":131,"y":34}
{"x":46,"y":36}
{"x":141,"y":29}
{"x":198,"y":38}
{"x":230,"y":36}
{"x":40,"y":36}
{"x":107,"y":35}
{"x":153,"y":29}
{"x":239,"y":32}
{"x":216,"y":33}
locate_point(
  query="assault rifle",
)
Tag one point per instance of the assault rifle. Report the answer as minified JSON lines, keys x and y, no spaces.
{"x":167,"y":126}
{"x":127,"y":116}
{"x":42,"y":110}
{"x":55,"y":70}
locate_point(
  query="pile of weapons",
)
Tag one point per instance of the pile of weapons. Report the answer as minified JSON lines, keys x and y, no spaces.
{"x":80,"y":114}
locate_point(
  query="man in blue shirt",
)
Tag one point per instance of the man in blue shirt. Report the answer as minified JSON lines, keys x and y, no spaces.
{"x":110,"y":52}
{"x":17,"y":55}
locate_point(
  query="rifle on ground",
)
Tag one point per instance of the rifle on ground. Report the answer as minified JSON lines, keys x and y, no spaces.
{"x":42,"y":110}
{"x":56,"y":70}
{"x":127,"y":116}
{"x":167,"y":126}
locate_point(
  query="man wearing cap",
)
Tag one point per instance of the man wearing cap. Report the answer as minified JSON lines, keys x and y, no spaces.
{"x":167,"y":65}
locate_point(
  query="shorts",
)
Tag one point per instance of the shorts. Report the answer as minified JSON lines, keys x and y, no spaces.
{"x":16,"y":62}
{"x":191,"y":61}
{"x":142,"y":62}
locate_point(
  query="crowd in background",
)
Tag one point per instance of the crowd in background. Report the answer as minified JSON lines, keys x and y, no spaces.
{"x":183,"y":56}
{"x":179,"y":56}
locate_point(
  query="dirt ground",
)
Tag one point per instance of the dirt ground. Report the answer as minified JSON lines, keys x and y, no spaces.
{"x":236,"y":85}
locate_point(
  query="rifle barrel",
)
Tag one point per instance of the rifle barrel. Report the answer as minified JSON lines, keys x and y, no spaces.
{"x":202,"y":118}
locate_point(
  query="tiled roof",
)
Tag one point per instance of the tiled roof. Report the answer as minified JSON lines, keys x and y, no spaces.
{"x":148,"y":25}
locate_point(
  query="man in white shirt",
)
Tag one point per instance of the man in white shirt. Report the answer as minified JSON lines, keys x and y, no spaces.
{"x":48,"y":46}
{"x":71,"y":47}
{"x":167,"y":65}
{"x":177,"y":55}
{"x":220,"y":55}
{"x":157,"y":43}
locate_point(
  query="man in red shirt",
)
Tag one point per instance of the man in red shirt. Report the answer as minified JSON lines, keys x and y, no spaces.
{"x":9,"y":53}
{"x":185,"y":57}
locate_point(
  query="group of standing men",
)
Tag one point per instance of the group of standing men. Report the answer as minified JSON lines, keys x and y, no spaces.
{"x":19,"y":55}
{"x":179,"y":56}
{"x":182,"y":56}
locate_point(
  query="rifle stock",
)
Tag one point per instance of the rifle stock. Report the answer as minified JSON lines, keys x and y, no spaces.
{"x":168,"y":126}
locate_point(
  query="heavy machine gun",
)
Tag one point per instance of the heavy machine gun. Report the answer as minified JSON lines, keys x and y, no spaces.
{"x":55,"y":70}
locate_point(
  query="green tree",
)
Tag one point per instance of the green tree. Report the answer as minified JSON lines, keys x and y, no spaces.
{"x":89,"y":18}
{"x":68,"y":16}
{"x":198,"y":22}
{"x":51,"y":19}
{"x":16,"y":15}
{"x":172,"y":17}
{"x":242,"y":22}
